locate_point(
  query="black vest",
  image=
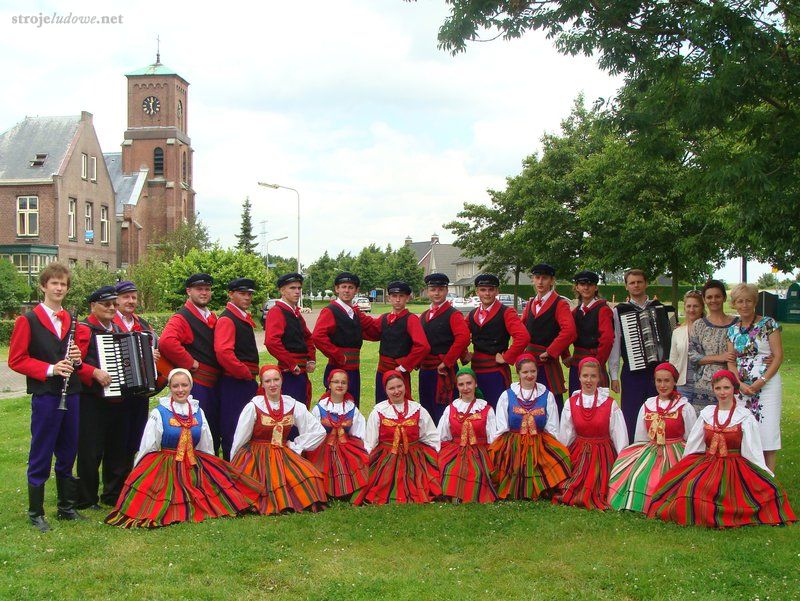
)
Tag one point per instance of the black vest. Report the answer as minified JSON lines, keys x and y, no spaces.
{"x":395,"y":339}
{"x":244,"y":345}
{"x":202,"y":346}
{"x":543,"y":328}
{"x":92,"y":357}
{"x":439,"y":333}
{"x":48,"y":347}
{"x":292,"y":339}
{"x":492,"y":337}
{"x":588,"y":326}
{"x":348,"y":331}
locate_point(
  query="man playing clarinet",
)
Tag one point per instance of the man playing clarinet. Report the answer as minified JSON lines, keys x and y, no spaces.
{"x":41,"y":350}
{"x":188,"y":342}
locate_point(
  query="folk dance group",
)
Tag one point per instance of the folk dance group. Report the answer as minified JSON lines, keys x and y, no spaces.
{"x":474,"y":436}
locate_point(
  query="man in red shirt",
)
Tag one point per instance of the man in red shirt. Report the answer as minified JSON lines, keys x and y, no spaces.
{"x":237,"y":354}
{"x":188,"y":342}
{"x":288,"y":339}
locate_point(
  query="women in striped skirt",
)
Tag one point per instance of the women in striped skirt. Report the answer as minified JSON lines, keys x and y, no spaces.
{"x":341,"y":458}
{"x":262,"y":449}
{"x":465,"y":429}
{"x":176,"y":477}
{"x":662,"y":427}
{"x":722,"y":480}
{"x":528,"y":459}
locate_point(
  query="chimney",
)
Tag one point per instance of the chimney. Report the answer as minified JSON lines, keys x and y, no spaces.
{"x":435,"y":239}
{"x":408,"y":241}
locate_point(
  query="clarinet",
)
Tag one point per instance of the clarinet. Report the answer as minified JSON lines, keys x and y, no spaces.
{"x":62,"y":405}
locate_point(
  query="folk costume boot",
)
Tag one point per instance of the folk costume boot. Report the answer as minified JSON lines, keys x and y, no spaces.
{"x":67,"y":494}
{"x":36,"y":507}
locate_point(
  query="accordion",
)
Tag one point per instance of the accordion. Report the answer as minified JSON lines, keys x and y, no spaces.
{"x":128,"y":359}
{"x":647,"y":334}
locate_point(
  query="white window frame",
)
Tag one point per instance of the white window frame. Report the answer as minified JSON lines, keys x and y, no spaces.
{"x":103,"y":224}
{"x":93,"y":169}
{"x":24,"y":216}
{"x":72,"y":218}
{"x":84,"y":165}
{"x":88,"y":220}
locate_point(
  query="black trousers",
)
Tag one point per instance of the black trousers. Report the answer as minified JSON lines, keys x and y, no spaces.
{"x":138,"y":412}
{"x":103,"y":435}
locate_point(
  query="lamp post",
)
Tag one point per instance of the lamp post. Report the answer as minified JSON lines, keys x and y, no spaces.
{"x":275,"y":187}
{"x":266,"y":249}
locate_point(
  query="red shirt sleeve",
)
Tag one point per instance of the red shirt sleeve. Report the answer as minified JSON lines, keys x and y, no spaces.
{"x":172,"y":344}
{"x":224,"y":339}
{"x":519,"y":336}
{"x":419,"y":344}
{"x":323,"y":330}
{"x":274,"y":327}
{"x":462,"y":337}
{"x":18,"y":358}
{"x":605,"y":324}
{"x":370,"y":326}
{"x":83,"y":335}
{"x":568,"y":332}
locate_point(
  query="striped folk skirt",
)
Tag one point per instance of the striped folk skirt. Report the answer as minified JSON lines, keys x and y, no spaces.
{"x":528,"y":465}
{"x":345,"y":466}
{"x":587,"y":487}
{"x":466,"y":472}
{"x":161,"y":491}
{"x":638,"y":470}
{"x":289,"y":482}
{"x":410,"y":477}
{"x":719,"y":492}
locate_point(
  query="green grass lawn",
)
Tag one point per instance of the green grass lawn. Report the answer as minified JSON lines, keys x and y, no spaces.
{"x":509,"y":550}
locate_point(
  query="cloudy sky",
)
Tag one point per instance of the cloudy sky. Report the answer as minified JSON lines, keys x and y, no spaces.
{"x":350,"y":102}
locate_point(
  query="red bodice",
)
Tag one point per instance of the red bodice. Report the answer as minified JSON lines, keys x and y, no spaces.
{"x":268,"y":429}
{"x":721,"y":440}
{"x":590,"y":423}
{"x":469,"y":429}
{"x":666,"y":427}
{"x":398,"y":431}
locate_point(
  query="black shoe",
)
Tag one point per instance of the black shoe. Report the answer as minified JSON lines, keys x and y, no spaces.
{"x":67,"y":492}
{"x":36,"y":508}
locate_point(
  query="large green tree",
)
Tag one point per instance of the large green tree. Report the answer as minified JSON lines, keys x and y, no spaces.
{"x":401,"y":264}
{"x":246,"y":239}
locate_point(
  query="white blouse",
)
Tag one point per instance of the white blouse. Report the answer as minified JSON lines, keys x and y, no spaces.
{"x":688,"y":412}
{"x":154,"y":429}
{"x":359,"y":427}
{"x":427,"y":429}
{"x":679,"y":352}
{"x":751,"y":438}
{"x":461,"y":406}
{"x":616,"y":421}
{"x":311,"y":433}
{"x":552,"y":425}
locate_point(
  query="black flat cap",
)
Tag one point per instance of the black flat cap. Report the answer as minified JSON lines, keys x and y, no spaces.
{"x":106,"y":293}
{"x":125,"y":286}
{"x":242,"y":285}
{"x":586,"y":277}
{"x":289,"y":278}
{"x":436,"y":279}
{"x":398,"y":288}
{"x":487,"y":279}
{"x":199,"y":279}
{"x":347,"y":278}
{"x":543,"y":269}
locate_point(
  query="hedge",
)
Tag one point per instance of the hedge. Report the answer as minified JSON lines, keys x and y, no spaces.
{"x":616,"y":292}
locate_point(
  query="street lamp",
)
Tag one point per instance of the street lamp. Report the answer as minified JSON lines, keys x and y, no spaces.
{"x":266,"y":250}
{"x":275,"y":187}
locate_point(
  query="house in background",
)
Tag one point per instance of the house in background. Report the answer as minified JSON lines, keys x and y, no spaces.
{"x":435,"y":257}
{"x":56,"y":196}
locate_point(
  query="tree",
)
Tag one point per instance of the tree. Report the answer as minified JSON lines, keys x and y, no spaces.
{"x":723,"y":75}
{"x":246,"y":239}
{"x":188,"y":235}
{"x":86,"y":280}
{"x":767,"y":281}
{"x":14,"y":288}
{"x":370,"y":266}
{"x":402,"y":265}
{"x":223,"y":265}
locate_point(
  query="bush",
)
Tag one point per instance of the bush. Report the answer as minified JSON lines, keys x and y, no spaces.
{"x":14,"y":289}
{"x":616,"y":292}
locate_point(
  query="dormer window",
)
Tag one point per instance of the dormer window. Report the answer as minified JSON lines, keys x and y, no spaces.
{"x":39,"y":159}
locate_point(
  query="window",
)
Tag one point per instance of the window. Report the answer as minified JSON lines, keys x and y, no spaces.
{"x":104,"y":225}
{"x":29,"y":263}
{"x":84,"y":165}
{"x":39,"y":159}
{"x":27,"y":216}
{"x":158,"y":161}
{"x":183,"y":168}
{"x":93,"y":170}
{"x":72,"y":262}
{"x":105,"y":265}
{"x":72,"y":219}
{"x":88,"y":223}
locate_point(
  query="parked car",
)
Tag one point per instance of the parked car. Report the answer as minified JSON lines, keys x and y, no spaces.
{"x":362,"y":302}
{"x":465,"y":305}
{"x":508,"y":301}
{"x":267,"y":306}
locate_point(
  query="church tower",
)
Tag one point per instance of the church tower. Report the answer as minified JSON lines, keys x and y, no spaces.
{"x":157,"y":140}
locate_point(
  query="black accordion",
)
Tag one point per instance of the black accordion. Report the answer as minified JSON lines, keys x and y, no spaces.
{"x":128,"y":359}
{"x":647,"y":333}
